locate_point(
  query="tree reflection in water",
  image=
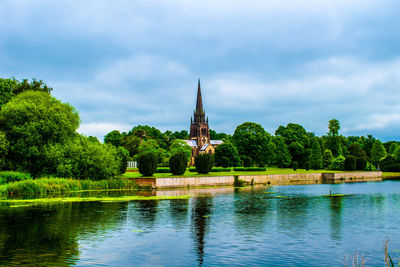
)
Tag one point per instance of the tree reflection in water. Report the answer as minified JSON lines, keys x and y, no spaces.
{"x":201,"y":211}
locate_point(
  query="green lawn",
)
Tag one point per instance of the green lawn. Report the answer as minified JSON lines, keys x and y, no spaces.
{"x":271,"y":170}
{"x":390,"y":174}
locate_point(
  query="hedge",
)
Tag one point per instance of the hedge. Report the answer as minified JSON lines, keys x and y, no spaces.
{"x":10,"y":176}
{"x":250,"y":169}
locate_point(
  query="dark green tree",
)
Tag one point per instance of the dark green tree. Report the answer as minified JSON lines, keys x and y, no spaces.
{"x":334,"y":127}
{"x":356,"y":151}
{"x":226,"y":150}
{"x":327,"y":158}
{"x":204,"y":163}
{"x":316,"y":160}
{"x":252,"y":141}
{"x":123,"y":155}
{"x":113,"y":138}
{"x":32,"y":121}
{"x":378,"y":152}
{"x":4,"y":147}
{"x":282,"y":155}
{"x":147,"y":163}
{"x":350,"y":163}
{"x":178,"y":163}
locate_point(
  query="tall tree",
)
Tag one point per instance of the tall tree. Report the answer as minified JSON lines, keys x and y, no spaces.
{"x":226,"y":151}
{"x":316,"y":161}
{"x":378,"y":152}
{"x":327,"y":158}
{"x":282,"y":155}
{"x":334,"y":127}
{"x":252,"y":141}
{"x":113,"y":138}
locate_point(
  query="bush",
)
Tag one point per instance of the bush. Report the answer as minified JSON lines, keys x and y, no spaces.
{"x":337,"y":163}
{"x":123,"y":156}
{"x":178,"y":163}
{"x":307,"y":165}
{"x":250,"y":169}
{"x":295,"y":165}
{"x":389,"y":163}
{"x":147,"y":163}
{"x":361,"y":163}
{"x":163,"y":170}
{"x":192,"y":169}
{"x":224,"y":162}
{"x":9,"y":176}
{"x":219,"y":169}
{"x":350,"y":163}
{"x":204,"y":163}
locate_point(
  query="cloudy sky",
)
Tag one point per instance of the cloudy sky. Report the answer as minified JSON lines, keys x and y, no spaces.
{"x":123,"y":63}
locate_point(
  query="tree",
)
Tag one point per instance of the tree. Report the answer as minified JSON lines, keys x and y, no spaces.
{"x":204,"y":163}
{"x":181,"y":146}
{"x":147,"y":163}
{"x":393,"y":148}
{"x":123,"y":155}
{"x":378,"y":152}
{"x":337,"y":163}
{"x":389,"y":163}
{"x":32,"y":121}
{"x":81,"y":158}
{"x":178,"y":163}
{"x":226,"y":150}
{"x":334,"y":127}
{"x":327,"y":158}
{"x":12,"y":87}
{"x":350,"y":163}
{"x":113,"y":138}
{"x":356,"y":151}
{"x":252,"y":141}
{"x":282,"y":155}
{"x":4,"y":147}
{"x":316,"y":161}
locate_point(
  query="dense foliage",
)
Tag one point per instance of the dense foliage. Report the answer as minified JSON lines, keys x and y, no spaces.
{"x":147,"y":163}
{"x":178,"y":163}
{"x":204,"y":163}
{"x":226,"y":155}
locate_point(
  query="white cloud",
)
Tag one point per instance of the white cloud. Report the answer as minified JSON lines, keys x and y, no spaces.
{"x":100,"y":129}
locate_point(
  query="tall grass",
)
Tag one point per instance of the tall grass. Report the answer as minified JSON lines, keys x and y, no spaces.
{"x":43,"y":186}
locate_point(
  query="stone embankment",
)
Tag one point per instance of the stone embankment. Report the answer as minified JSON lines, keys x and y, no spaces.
{"x":273,"y":179}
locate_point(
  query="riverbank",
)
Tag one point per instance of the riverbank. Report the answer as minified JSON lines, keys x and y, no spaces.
{"x":250,"y":179}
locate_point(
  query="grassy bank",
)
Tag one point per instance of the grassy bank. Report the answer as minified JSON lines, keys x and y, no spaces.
{"x":269,"y":171}
{"x":43,"y":186}
{"x":390,"y":175}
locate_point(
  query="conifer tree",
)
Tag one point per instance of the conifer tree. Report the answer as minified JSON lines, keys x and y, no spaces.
{"x":282,"y":156}
{"x":378,"y":152}
{"x":316,"y":161}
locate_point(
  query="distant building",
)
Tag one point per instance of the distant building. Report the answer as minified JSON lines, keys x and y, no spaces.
{"x":199,"y":132}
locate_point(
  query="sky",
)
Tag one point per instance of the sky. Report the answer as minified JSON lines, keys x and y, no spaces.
{"x":122,"y":63}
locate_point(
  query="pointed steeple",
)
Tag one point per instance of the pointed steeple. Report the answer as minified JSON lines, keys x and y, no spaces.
{"x":199,"y":102}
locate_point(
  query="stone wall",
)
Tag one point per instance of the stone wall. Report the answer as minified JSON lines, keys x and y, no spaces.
{"x":275,"y":179}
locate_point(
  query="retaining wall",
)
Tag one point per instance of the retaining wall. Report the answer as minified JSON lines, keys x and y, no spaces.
{"x":275,"y":179}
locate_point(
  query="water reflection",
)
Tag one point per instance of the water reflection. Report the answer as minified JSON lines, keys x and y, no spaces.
{"x":179,"y":209}
{"x":201,"y":216}
{"x":335,"y":217}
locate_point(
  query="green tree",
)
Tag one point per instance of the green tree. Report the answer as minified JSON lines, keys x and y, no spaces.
{"x":337,"y":163}
{"x":252,"y":141}
{"x":226,"y":150}
{"x":350,"y":163}
{"x":178,"y":163}
{"x":378,"y":152}
{"x":123,"y":155}
{"x":327,"y":158}
{"x":204,"y":163}
{"x":31,"y":121}
{"x":4,"y":147}
{"x":356,"y":151}
{"x":316,"y":161}
{"x":282,"y":155}
{"x":181,"y":146}
{"x":393,"y":148}
{"x":334,"y":127}
{"x":12,"y":87}
{"x":113,"y":138}
{"x":147,"y":163}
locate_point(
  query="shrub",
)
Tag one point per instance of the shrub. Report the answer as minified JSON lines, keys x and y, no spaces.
{"x":218,"y":169}
{"x":350,"y":163}
{"x":178,"y":163}
{"x":307,"y":165}
{"x":123,"y":156}
{"x":224,"y":162}
{"x":337,"y":163}
{"x":389,"y":163}
{"x":192,"y":169}
{"x":163,"y":170}
{"x":361,"y":163}
{"x":204,"y":163}
{"x":246,"y":161}
{"x":295,"y":165}
{"x":147,"y":163}
{"x":10,"y":176}
{"x":250,"y":169}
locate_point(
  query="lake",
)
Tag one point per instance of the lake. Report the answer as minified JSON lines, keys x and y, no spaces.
{"x":271,"y":226}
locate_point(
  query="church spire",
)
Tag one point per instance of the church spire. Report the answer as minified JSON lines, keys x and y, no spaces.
{"x":199,"y":103}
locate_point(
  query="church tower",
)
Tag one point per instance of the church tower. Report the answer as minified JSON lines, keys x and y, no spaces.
{"x":199,"y":130}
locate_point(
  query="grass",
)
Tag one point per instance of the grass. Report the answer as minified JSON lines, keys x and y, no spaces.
{"x":269,"y":171}
{"x":44,"y":186}
{"x":390,"y":174}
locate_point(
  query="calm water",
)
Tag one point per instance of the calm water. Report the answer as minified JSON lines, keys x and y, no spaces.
{"x":246,"y":226}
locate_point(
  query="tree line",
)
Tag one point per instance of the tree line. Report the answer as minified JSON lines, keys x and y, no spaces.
{"x":251,"y":145}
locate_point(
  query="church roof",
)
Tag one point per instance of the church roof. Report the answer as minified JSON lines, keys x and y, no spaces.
{"x":216,"y":142}
{"x":191,"y":143}
{"x":204,"y":147}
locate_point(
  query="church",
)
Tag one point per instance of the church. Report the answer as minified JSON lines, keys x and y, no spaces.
{"x":199,"y":131}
